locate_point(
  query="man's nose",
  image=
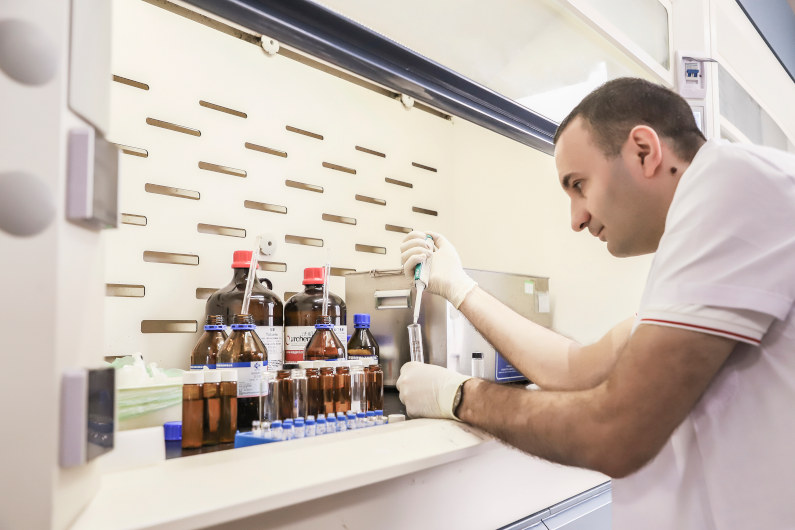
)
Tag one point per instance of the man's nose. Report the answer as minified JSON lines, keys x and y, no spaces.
{"x":579,"y":217}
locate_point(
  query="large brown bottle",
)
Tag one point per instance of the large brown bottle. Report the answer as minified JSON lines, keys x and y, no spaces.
{"x":244,"y":352}
{"x":302,"y":310}
{"x":265,"y":306}
{"x":205,"y":353}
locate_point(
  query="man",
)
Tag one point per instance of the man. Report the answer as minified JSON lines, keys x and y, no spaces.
{"x":689,"y":405}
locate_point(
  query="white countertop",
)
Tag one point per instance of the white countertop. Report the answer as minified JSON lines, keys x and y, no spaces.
{"x":218,"y":487}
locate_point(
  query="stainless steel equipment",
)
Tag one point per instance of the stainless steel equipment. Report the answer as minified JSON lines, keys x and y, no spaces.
{"x":449,"y":339}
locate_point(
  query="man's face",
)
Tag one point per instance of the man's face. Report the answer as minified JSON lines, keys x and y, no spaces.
{"x":606,"y":193}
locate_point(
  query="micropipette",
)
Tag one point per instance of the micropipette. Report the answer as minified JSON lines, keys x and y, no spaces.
{"x":422,"y":273}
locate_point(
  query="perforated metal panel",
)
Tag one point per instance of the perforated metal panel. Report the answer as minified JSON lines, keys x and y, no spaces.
{"x":223,"y":143}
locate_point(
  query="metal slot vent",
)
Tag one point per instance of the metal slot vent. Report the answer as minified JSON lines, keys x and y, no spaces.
{"x":222,"y":169}
{"x":226,"y":110}
{"x":305,"y":133}
{"x":338,"y":167}
{"x":132,"y":219}
{"x":125,"y":290}
{"x":170,"y":257}
{"x":172,"y":192}
{"x":301,"y":240}
{"x":130,"y":82}
{"x":265,"y":207}
{"x":169,"y":326}
{"x":339,"y":219}
{"x":220,"y":230}
{"x":173,"y":127}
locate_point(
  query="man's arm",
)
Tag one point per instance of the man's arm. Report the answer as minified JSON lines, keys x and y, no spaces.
{"x":549,"y":359}
{"x":617,"y":426}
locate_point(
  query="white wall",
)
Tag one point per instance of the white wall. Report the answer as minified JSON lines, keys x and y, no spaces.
{"x":513,"y":216}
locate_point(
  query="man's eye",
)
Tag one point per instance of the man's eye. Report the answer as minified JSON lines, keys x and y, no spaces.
{"x":577,"y":185}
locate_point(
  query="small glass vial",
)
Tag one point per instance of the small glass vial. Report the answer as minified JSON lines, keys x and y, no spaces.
{"x":358,"y":393}
{"x":342,"y":425}
{"x":192,"y":409}
{"x":415,"y":343}
{"x":379,"y":417}
{"x":205,"y":353}
{"x":212,"y":407}
{"x":320,"y":428}
{"x":362,"y":344}
{"x":256,"y":427}
{"x":228,"y":393}
{"x":267,"y":408}
{"x":350,"y":420}
{"x":289,"y":431}
{"x":284,"y":395}
{"x":276,"y":430}
{"x":375,"y":387}
{"x":360,"y":420}
{"x":342,"y":387}
{"x":300,"y":428}
{"x":331,"y":423}
{"x":310,"y":427}
{"x":300,"y":393}
{"x":478,"y":366}
{"x":313,"y":392}
{"x":324,"y":344}
{"x":369,"y":419}
{"x":328,"y":389}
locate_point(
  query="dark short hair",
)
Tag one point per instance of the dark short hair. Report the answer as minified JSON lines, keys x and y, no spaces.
{"x":613,"y":109}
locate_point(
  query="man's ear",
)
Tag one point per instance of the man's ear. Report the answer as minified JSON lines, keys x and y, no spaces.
{"x":645,"y":149}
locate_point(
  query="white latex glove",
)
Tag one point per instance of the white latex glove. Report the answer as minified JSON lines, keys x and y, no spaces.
{"x":447,"y":277}
{"x":429,"y":391}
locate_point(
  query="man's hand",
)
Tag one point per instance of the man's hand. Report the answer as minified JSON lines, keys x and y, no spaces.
{"x":429,"y":391}
{"x":447,"y":277}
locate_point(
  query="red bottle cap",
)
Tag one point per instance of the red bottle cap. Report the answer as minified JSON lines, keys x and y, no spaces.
{"x":314,"y":275}
{"x":241,"y":259}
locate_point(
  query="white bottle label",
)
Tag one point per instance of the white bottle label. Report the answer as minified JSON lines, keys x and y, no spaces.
{"x":295,"y":340}
{"x":342,"y":333}
{"x":248,"y":377}
{"x":273,"y":339}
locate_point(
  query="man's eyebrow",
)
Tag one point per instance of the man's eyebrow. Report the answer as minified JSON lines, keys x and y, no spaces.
{"x":565,"y":182}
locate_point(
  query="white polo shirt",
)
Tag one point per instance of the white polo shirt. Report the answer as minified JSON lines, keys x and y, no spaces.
{"x":726,"y":266}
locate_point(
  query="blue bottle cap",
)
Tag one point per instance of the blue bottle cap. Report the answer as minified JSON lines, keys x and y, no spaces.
{"x":360,"y":414}
{"x":351,"y":414}
{"x":361,"y":320}
{"x":299,"y":421}
{"x":379,"y":412}
{"x":310,"y":421}
{"x":370,"y":414}
{"x":331,"y":419}
{"x":288,"y":426}
{"x":321,"y":419}
{"x":288,"y":421}
{"x":172,"y":430}
{"x":277,"y":423}
{"x":324,"y":326}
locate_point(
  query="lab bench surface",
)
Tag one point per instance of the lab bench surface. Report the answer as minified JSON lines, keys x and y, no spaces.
{"x":441,"y":469}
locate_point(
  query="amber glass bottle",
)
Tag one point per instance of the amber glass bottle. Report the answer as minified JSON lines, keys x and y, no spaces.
{"x":244,"y":352}
{"x":328,"y":390}
{"x":265,"y":306}
{"x":212,"y":407}
{"x":228,"y":406}
{"x":302,"y":310}
{"x":192,"y":409}
{"x":375,"y":387}
{"x":362,"y":344}
{"x":324,"y":344}
{"x":285,"y":395}
{"x":314,"y":395}
{"x":205,"y":353}
{"x":342,"y":384}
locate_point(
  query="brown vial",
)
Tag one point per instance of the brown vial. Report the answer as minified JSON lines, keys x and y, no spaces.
{"x":342,"y":384}
{"x":375,"y":387}
{"x":324,"y":344}
{"x":244,"y":352}
{"x":284,"y":389}
{"x":228,"y":423}
{"x":212,"y":407}
{"x":362,"y":344}
{"x":205,"y":353}
{"x":327,"y":389}
{"x":192,"y":409}
{"x":314,"y":394}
